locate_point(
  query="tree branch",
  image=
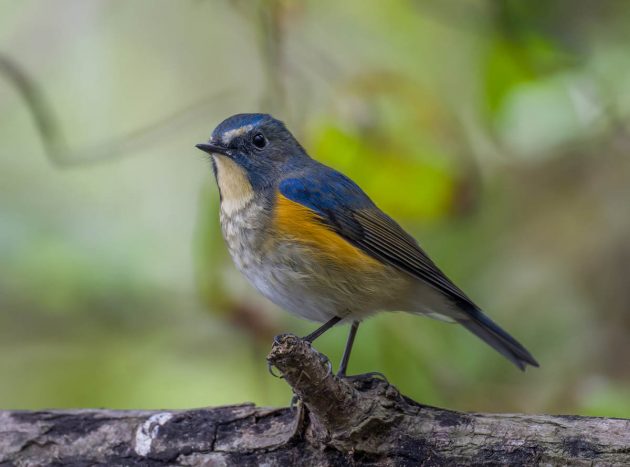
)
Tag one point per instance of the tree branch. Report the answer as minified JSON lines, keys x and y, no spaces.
{"x":337,"y":423}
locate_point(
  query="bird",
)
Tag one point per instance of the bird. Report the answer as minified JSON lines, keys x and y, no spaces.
{"x":310,"y":240}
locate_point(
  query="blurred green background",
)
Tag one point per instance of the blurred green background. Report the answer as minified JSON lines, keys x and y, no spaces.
{"x":495,"y":131}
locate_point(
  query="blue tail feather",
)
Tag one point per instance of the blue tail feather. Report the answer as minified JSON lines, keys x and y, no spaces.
{"x":487,"y":330}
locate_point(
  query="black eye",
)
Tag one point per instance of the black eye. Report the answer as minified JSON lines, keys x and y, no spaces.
{"x":259,"y":141}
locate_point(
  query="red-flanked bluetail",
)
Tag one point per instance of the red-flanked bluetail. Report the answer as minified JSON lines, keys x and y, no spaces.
{"x":311,"y":241}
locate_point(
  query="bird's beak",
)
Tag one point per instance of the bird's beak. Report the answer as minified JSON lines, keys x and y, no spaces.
{"x":211,"y":148}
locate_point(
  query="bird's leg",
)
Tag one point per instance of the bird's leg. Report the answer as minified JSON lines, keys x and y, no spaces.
{"x":346,"y":357}
{"x":310,"y":338}
{"x":322,"y":329}
{"x":318,"y":332}
{"x":343,"y":366}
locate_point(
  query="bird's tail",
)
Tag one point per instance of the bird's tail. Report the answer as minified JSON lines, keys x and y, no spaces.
{"x":487,"y":330}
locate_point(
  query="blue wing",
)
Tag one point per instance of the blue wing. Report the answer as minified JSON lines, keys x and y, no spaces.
{"x":346,"y":209}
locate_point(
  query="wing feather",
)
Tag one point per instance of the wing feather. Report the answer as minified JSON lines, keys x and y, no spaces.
{"x":344,"y":207}
{"x":383,"y":237}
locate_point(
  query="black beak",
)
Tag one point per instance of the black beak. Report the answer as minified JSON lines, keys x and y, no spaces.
{"x":213,"y":148}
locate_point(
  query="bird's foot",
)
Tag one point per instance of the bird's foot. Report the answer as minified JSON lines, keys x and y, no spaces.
{"x":295,"y":399}
{"x":323,"y":358}
{"x":277,"y":340}
{"x":326,"y":361}
{"x":363,"y":376}
{"x":272,"y":372}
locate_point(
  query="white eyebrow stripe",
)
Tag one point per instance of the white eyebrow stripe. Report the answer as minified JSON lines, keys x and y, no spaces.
{"x":231,"y":134}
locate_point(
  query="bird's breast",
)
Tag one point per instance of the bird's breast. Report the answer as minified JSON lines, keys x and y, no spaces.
{"x":244,"y":230}
{"x":302,"y":265}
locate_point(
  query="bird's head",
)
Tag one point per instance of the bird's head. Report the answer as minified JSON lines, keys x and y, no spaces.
{"x":254,"y":149}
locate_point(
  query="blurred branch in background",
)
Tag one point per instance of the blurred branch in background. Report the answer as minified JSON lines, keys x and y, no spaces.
{"x":271,"y":39}
{"x":60,"y":153}
{"x":44,"y":118}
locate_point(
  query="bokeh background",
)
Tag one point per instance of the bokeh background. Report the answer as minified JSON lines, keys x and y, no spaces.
{"x":495,"y":131}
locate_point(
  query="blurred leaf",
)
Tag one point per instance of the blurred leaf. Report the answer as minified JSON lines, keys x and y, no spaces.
{"x":400,"y":183}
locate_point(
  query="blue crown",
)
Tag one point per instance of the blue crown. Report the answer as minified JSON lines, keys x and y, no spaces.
{"x":238,"y":121}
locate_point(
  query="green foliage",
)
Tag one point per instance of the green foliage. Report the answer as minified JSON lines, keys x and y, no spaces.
{"x":403,"y":179}
{"x":496,"y":132}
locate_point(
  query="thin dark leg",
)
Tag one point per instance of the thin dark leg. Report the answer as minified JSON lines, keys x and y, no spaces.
{"x":322,"y":329}
{"x":346,"y":353}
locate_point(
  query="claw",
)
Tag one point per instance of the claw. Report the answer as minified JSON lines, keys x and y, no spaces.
{"x":362,"y":376}
{"x":294,"y":400}
{"x":326,"y":361}
{"x":270,"y":368}
{"x":276,"y":339}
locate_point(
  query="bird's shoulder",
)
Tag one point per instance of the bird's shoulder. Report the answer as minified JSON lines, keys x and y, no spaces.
{"x":322,"y":188}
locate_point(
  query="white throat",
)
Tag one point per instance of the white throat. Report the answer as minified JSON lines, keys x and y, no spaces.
{"x":236,"y":191}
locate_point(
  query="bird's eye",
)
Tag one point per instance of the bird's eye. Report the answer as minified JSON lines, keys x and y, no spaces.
{"x":259,"y":140}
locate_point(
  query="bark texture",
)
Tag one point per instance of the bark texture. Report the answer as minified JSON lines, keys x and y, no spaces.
{"x":337,"y":422}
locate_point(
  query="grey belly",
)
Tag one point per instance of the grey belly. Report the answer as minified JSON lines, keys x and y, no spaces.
{"x":293,"y":279}
{"x":288,"y":276}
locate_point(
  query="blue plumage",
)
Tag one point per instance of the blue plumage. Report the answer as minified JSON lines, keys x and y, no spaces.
{"x":238,"y":121}
{"x":325,"y":190}
{"x":313,"y":242}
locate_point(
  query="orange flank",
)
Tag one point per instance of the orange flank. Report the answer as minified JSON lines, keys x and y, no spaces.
{"x":300,"y":224}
